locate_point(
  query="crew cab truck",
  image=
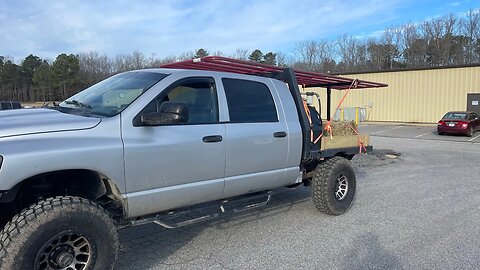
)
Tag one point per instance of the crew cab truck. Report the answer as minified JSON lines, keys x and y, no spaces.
{"x":149,"y":145}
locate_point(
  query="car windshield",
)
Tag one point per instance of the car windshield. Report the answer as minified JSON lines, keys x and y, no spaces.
{"x":452,"y":115}
{"x":110,"y":96}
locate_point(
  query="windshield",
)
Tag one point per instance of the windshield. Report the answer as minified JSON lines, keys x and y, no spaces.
{"x":452,"y":115}
{"x":110,"y":96}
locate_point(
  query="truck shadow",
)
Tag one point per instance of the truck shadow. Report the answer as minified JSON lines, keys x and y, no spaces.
{"x":151,"y":245}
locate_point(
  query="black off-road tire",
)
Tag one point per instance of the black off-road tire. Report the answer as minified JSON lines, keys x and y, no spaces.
{"x":57,"y":229}
{"x":325,"y":184}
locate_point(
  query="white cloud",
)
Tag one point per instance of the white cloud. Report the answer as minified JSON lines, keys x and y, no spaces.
{"x":47,"y":28}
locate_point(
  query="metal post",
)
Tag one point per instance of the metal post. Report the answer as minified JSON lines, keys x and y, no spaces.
{"x":329,"y":99}
{"x":291,"y":79}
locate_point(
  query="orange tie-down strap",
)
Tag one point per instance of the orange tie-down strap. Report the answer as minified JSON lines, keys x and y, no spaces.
{"x":361,"y":144}
{"x":328,"y":126}
{"x":309,"y":116}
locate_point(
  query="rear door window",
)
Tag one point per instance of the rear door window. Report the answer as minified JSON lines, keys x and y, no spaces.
{"x":459,"y":116}
{"x":249,"y":101}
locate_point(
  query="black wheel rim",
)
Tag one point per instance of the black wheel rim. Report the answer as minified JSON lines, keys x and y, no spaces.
{"x":341,"y":187}
{"x":65,"y":251}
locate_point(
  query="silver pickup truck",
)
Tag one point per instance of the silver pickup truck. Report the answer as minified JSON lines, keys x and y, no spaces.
{"x":144,"y":145}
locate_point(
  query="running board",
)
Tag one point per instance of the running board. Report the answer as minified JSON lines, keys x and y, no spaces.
{"x":204,"y":212}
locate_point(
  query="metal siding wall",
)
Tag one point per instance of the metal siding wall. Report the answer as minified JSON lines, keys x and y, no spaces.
{"x":421,"y":96}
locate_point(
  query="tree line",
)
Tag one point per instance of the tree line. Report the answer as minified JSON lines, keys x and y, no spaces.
{"x":446,"y":41}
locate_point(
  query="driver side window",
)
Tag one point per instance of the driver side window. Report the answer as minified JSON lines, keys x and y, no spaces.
{"x":200,"y":96}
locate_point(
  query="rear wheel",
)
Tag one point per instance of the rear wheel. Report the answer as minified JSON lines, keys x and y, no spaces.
{"x":333,"y":186}
{"x":470,"y":132}
{"x":68,"y":233}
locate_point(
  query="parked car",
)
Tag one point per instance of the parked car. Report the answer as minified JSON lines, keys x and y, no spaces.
{"x":10,"y":105}
{"x":459,"y":123}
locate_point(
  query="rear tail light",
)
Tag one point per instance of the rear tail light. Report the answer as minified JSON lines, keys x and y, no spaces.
{"x":441,"y":123}
{"x":464,"y":125}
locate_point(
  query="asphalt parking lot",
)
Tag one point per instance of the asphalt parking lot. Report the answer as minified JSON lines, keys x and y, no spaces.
{"x":421,"y":132}
{"x":417,"y":207}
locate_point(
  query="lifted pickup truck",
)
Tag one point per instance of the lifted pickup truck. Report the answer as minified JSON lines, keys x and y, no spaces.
{"x":156,"y":145}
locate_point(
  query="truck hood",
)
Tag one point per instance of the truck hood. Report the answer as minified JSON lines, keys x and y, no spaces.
{"x":31,"y":121}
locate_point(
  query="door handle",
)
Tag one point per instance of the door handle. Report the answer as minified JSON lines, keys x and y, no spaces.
{"x":213,"y":138}
{"x":280,"y":134}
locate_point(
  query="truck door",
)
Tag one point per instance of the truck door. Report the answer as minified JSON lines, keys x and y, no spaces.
{"x":174,"y":165}
{"x":256,"y":137}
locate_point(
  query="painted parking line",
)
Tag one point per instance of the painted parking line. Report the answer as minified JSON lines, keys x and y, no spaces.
{"x":421,"y":135}
{"x":436,"y":140}
{"x":388,"y":129}
{"x":474,"y":138}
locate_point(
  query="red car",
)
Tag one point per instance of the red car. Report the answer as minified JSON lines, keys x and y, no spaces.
{"x":460,"y":123}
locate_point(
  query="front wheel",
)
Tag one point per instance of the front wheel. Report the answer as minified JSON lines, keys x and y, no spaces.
{"x":68,"y":233}
{"x":333,"y":186}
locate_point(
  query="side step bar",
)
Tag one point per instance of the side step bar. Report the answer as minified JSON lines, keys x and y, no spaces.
{"x":203,"y":212}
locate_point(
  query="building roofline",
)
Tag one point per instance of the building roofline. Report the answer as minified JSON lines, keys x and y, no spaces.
{"x":406,"y":69}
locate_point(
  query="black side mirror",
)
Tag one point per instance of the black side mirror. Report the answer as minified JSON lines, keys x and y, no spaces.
{"x":170,"y":113}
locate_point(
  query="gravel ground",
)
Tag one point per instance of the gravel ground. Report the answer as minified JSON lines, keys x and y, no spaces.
{"x":417,"y":207}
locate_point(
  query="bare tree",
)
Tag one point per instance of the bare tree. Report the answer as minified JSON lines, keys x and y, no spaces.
{"x":281,"y":59}
{"x":313,"y":55}
{"x":138,"y":60}
{"x":241,"y":54}
{"x":439,"y":35}
{"x":414,"y":46}
{"x":390,"y":40}
{"x":352,"y":53}
{"x":470,"y":29}
{"x":217,"y":53}
{"x":94,"y":67}
{"x":307,"y":53}
{"x":186,"y":55}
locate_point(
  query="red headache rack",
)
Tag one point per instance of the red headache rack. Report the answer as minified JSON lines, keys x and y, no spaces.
{"x":293,"y":78}
{"x":306,"y":79}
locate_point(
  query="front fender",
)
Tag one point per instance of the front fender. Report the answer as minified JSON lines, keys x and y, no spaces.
{"x":97,"y":149}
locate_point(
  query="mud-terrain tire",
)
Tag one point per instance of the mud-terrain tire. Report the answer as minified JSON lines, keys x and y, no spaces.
{"x":59,"y":233}
{"x":333,"y":186}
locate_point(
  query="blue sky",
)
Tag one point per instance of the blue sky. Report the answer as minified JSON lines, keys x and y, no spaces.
{"x":166,"y":28}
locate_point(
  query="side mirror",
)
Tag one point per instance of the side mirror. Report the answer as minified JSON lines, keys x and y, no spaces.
{"x":170,"y":113}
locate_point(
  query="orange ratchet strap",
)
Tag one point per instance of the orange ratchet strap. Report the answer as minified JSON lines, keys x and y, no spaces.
{"x":328,"y":126}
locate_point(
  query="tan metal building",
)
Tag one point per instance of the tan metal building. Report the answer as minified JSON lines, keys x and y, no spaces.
{"x":419,"y":96}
